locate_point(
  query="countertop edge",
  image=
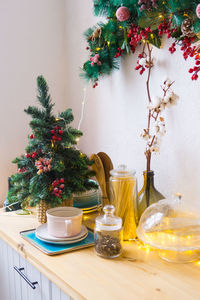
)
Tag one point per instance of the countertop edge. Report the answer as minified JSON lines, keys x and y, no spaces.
{"x":67,"y":289}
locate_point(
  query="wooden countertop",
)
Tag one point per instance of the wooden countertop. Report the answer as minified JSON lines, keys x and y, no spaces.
{"x":138,"y":274}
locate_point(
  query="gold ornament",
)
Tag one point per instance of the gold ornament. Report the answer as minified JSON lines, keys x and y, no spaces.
{"x":96,"y":34}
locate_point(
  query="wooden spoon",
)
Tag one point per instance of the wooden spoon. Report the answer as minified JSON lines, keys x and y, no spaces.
{"x":108,"y":166}
{"x":100,"y":176}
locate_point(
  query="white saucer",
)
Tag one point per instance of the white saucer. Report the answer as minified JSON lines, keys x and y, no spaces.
{"x":42,"y":233}
{"x":62,"y":242}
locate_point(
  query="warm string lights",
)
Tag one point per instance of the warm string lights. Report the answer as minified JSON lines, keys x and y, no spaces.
{"x":82,"y":110}
{"x":82,"y":107}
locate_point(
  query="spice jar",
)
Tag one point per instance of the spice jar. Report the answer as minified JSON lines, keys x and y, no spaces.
{"x":123,"y":188}
{"x":108,"y":235}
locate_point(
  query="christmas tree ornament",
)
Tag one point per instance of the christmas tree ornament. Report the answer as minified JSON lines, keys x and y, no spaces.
{"x":186,"y":28}
{"x":122,"y":14}
{"x":95,"y":60}
{"x":95,"y":35}
{"x":147,"y":5}
{"x":198,"y":11}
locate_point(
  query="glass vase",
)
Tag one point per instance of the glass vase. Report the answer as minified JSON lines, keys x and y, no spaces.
{"x":148,"y":194}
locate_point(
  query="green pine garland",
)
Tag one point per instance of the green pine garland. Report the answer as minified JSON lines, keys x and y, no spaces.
{"x":113,"y":36}
{"x":52,"y":141}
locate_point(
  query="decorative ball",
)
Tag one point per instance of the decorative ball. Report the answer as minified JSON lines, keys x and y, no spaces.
{"x":122,"y":14}
{"x":198,"y":10}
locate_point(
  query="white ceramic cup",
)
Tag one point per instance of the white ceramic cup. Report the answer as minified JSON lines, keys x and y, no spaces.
{"x":64,"y":221}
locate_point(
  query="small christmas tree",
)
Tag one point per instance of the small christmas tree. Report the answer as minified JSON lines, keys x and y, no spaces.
{"x":52,"y":169}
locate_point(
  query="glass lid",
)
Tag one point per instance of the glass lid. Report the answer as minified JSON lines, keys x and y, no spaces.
{"x":108,"y":221}
{"x":171,"y":225}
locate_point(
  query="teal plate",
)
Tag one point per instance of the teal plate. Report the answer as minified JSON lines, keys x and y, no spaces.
{"x":52,"y":249}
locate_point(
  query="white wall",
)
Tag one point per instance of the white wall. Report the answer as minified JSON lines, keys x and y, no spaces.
{"x":32,"y":43}
{"x":44,"y":37}
{"x":116,"y":112}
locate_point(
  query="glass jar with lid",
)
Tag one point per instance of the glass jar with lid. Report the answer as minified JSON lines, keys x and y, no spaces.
{"x":123,"y":190}
{"x":108,"y":234}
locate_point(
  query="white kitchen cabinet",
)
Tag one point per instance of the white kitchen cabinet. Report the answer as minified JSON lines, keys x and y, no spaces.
{"x":14,"y":287}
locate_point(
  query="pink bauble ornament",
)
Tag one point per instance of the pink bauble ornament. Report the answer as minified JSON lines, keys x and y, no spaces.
{"x":198,"y":10}
{"x":122,"y":14}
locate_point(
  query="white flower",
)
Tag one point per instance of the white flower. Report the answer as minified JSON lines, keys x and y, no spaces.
{"x":171,"y":99}
{"x":145,"y":135}
{"x":142,"y":61}
{"x":155,"y":102}
{"x":159,"y":128}
{"x":155,"y":149}
{"x":162,"y":106}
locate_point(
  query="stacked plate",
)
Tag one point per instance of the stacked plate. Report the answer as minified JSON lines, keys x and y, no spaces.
{"x":43,"y":235}
{"x":89,"y":201}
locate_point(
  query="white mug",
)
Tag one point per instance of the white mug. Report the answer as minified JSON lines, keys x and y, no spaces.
{"x":64,"y":221}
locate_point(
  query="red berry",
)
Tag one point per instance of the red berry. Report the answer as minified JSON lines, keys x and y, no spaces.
{"x":31,"y":136}
{"x":59,"y":191}
{"x":62,"y":180}
{"x":190,"y":70}
{"x":34,"y":155}
{"x":60,"y":132}
{"x":62,"y":186}
{"x":55,"y":190}
{"x":54,"y":138}
{"x":59,"y":139}
{"x":87,"y":48}
{"x":53,"y":131}
{"x":194,"y":77}
{"x":138,"y":67}
{"x":27,"y":155}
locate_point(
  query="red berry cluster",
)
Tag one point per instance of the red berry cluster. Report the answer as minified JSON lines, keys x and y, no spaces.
{"x":32,"y":155}
{"x":140,"y":67}
{"x":186,"y":47}
{"x":22,"y":170}
{"x":166,"y":28}
{"x":196,"y":68}
{"x":95,"y":84}
{"x":189,"y":51}
{"x":43,"y":165}
{"x":136,"y":34}
{"x":58,"y":186}
{"x":172,"y":48}
{"x":56,"y":134}
{"x":119,"y":52}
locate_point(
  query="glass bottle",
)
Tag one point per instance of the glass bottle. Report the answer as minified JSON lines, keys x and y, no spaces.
{"x":123,"y":186}
{"x":148,"y":194}
{"x":108,"y":234}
